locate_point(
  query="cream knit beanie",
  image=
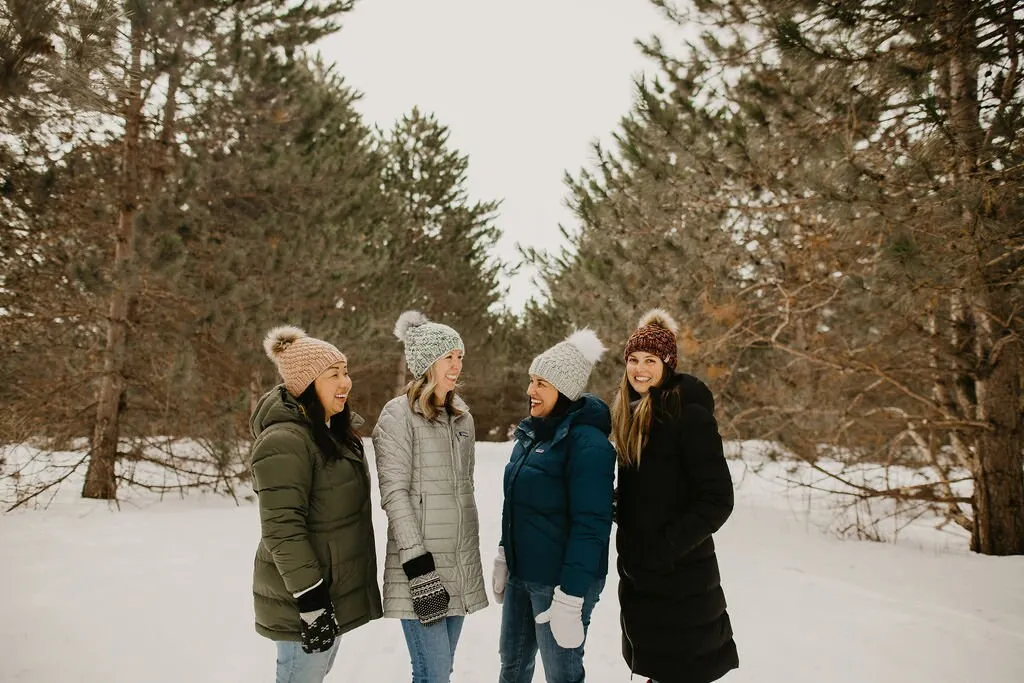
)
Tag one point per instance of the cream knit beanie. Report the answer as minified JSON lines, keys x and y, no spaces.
{"x":567,"y":364}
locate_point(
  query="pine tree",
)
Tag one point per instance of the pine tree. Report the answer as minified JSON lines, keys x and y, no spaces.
{"x":54,"y":54}
{"x":269,"y":224}
{"x":920,"y":98}
{"x":52,"y":223}
{"x":440,"y":250}
{"x":172,"y":41}
{"x":124,"y":78}
{"x":56,"y":59}
{"x":656,"y":231}
{"x":866,"y":160}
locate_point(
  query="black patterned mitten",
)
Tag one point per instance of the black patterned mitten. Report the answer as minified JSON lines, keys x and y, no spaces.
{"x":317,"y":625}
{"x":429,"y":597}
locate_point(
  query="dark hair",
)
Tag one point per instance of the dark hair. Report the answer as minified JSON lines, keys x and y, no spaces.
{"x":563,"y":404}
{"x":340,"y":433}
{"x":561,"y":407}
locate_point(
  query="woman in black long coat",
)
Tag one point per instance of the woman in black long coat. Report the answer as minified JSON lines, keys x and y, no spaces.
{"x":674,"y":492}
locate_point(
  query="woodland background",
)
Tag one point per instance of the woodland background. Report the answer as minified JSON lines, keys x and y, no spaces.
{"x":828,"y":195}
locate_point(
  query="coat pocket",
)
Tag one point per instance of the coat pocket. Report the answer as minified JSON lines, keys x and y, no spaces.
{"x":347,"y":575}
{"x":467,"y":454}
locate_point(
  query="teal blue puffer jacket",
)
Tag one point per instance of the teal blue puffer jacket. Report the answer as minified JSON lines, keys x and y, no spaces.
{"x":557,"y":515}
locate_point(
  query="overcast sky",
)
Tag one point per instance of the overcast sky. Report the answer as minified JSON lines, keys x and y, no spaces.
{"x":524,"y":85}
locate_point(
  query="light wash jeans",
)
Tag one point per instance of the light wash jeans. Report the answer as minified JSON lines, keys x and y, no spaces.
{"x":432,"y":648}
{"x":296,"y":666}
{"x":522,"y":637}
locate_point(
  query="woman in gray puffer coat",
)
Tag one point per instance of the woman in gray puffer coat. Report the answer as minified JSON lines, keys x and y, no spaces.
{"x":424,"y":444}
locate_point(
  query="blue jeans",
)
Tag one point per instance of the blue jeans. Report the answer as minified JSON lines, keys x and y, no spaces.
{"x":296,"y":666}
{"x":432,"y":648}
{"x":522,"y":636}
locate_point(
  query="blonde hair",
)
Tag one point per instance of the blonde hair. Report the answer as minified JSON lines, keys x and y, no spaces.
{"x":421,"y":391}
{"x":630,"y":428}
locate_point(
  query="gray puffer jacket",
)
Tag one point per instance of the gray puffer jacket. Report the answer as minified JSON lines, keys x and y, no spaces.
{"x":425,"y":468}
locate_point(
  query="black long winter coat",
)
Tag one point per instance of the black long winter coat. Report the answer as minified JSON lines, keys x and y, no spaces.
{"x":675,"y":628}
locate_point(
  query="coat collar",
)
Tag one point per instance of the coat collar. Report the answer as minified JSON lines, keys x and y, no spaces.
{"x":589,"y":409}
{"x":456,"y":401}
{"x":671,"y":383}
{"x":531,"y":429}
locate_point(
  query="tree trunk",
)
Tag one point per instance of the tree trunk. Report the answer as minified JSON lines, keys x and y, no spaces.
{"x":400,"y":380}
{"x":100,"y":478}
{"x":998,"y":464}
{"x":999,"y":479}
{"x":255,"y":390}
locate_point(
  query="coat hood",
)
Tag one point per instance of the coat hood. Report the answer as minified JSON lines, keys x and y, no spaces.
{"x":276,"y":406}
{"x":688,"y":388}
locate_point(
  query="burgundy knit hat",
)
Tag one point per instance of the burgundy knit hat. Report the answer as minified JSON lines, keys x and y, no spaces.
{"x":656,"y":334}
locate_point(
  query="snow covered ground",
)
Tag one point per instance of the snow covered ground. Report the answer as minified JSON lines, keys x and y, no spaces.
{"x":160,"y":591}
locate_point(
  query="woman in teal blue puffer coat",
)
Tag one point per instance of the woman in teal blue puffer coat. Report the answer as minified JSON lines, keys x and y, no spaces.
{"x":556,"y":518}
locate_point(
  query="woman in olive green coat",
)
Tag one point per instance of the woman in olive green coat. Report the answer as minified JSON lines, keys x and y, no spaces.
{"x":315,"y":574}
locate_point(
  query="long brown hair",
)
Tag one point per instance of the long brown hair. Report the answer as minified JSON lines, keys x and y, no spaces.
{"x":630,"y":428}
{"x":421,"y":392}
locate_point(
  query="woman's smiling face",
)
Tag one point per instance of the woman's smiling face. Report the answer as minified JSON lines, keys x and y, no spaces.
{"x":332,"y":388}
{"x":644,"y":370}
{"x":543,"y":396}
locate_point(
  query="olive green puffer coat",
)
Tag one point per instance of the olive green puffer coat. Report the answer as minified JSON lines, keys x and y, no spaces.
{"x":315,"y":522}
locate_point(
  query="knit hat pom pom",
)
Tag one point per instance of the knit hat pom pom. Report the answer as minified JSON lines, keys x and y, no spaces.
{"x":279,"y":339}
{"x":588,"y":344}
{"x":408,"y":320}
{"x":661,"y":318}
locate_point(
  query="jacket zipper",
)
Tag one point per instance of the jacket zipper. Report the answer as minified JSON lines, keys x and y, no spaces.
{"x":510,"y":557}
{"x":458,"y":506}
{"x":622,"y":619}
{"x":632,"y":650}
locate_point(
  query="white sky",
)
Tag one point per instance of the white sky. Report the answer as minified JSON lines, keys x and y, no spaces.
{"x":525,"y":88}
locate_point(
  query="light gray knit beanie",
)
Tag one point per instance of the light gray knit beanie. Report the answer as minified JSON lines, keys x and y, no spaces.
{"x":567,"y":364}
{"x":425,"y":341}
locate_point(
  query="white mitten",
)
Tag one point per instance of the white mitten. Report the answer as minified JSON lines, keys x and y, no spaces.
{"x":566,"y":618}
{"x":500,"y":576}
